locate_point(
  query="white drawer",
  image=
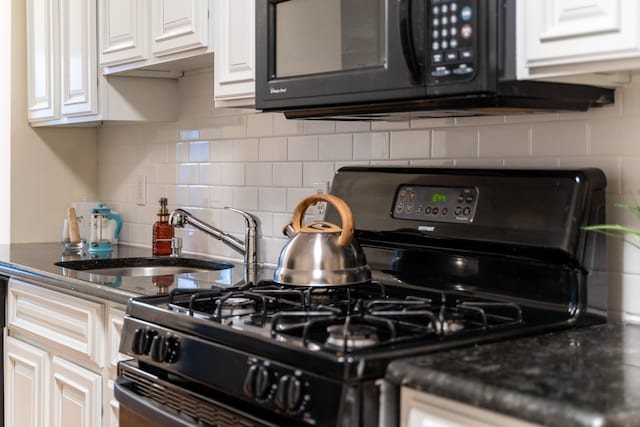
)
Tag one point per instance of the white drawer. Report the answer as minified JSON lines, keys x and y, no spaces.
{"x":72,"y":326}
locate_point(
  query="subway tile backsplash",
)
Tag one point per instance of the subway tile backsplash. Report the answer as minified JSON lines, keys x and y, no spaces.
{"x":266,"y":164}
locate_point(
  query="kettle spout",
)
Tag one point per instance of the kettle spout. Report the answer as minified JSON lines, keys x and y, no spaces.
{"x":288,"y":231}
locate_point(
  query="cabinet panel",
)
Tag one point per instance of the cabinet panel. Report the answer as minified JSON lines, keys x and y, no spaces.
{"x":78,"y":46}
{"x":111,"y":407}
{"x":178,"y":25}
{"x":123,"y":28}
{"x":42,"y":59}
{"x":578,"y":31}
{"x":114,"y":324}
{"x":235,"y":50}
{"x":75,"y":395}
{"x":26,"y":371}
{"x":78,"y":327}
{"x":419,"y":409}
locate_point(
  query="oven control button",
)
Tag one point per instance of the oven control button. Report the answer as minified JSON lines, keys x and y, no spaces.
{"x":258,"y":382}
{"x":159,"y":348}
{"x":289,"y":393}
{"x":141,"y":343}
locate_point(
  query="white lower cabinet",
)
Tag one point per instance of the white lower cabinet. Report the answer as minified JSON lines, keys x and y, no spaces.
{"x":58,"y":369}
{"x":26,"y":373}
{"x":419,"y":409}
{"x":75,"y":395}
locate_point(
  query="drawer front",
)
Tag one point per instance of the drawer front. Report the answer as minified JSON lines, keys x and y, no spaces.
{"x":69,"y":325}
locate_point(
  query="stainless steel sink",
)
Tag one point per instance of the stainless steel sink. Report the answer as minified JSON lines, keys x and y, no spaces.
{"x":144,"y":266}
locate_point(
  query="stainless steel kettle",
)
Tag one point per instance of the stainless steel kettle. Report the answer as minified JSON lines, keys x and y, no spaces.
{"x":321,"y":253}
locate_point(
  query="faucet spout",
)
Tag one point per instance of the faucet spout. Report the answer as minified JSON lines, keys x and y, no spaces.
{"x":248,"y":248}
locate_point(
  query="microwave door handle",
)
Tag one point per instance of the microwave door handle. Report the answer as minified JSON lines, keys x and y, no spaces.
{"x":406,"y":39}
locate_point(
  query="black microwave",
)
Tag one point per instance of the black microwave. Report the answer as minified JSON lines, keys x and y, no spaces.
{"x":365,"y":59}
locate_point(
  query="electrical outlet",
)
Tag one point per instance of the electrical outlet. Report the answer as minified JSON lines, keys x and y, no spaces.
{"x":141,"y":190}
{"x":319,"y":209}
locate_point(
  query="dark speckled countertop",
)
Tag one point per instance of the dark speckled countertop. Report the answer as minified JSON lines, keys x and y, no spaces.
{"x":580,"y":377}
{"x":35,"y":261}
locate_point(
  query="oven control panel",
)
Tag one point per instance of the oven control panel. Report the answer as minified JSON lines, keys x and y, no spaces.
{"x":439,"y":204}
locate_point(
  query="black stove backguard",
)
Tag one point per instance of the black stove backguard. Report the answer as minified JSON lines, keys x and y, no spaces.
{"x":509,"y":233}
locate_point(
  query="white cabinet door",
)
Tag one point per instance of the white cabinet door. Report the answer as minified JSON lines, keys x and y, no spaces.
{"x":179,"y":25}
{"x":588,"y":33}
{"x":25,"y":384}
{"x":123,"y":28}
{"x":62,"y":59}
{"x":42,"y":59}
{"x":78,"y":50}
{"x":235,"y":51}
{"x":75,"y":394}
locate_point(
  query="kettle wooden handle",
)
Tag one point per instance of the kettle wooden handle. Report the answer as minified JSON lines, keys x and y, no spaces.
{"x":346,"y":231}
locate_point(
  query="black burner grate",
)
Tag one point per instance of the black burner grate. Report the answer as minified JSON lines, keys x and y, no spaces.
{"x":345,"y":319}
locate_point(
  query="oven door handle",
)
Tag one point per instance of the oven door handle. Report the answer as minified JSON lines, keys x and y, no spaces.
{"x":147,"y":408}
{"x":406,"y":39}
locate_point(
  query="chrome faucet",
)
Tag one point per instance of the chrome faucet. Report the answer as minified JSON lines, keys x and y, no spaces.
{"x":248,"y":248}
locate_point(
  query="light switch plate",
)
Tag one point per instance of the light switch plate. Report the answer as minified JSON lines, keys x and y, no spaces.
{"x":141,"y":190}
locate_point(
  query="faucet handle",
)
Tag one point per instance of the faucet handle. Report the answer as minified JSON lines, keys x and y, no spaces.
{"x":178,"y":218}
{"x":176,"y":247}
{"x":251,"y":220}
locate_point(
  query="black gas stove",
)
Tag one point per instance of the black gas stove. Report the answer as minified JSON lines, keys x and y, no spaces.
{"x":459,"y":257}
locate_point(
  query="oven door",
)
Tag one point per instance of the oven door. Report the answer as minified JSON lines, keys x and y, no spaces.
{"x":313,"y":53}
{"x":146,"y":400}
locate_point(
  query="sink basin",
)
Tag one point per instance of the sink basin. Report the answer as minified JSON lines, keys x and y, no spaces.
{"x":143,"y":266}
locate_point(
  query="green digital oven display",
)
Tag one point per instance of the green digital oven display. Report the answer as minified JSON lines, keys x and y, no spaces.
{"x":438,"y":198}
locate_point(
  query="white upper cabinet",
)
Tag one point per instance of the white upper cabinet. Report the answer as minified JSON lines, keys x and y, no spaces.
{"x":78,"y":50}
{"x":154,"y":37}
{"x":569,"y":37}
{"x":61,"y":59}
{"x":65,"y":86}
{"x":235,"y":53}
{"x":123,"y":31}
{"x":179,"y":26}
{"x":43,"y":57}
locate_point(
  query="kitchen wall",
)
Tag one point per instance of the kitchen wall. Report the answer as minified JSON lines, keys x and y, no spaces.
{"x":41,"y":170}
{"x":265,"y":164}
{"x":5,"y":119}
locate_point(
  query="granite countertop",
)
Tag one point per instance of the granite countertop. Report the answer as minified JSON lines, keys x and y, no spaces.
{"x":580,"y":377}
{"x":36,"y":261}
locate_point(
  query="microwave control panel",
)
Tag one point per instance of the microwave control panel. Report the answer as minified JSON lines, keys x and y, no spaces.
{"x":451,"y":42}
{"x":440,"y":204}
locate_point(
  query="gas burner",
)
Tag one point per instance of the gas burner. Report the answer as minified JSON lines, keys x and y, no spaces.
{"x":351,"y":336}
{"x":324,"y":296}
{"x":236,"y":306}
{"x":451,"y":326}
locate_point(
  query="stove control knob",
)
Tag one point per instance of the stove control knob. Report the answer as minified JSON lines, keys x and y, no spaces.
{"x":289,"y":393}
{"x":258,"y":382}
{"x":159,"y":348}
{"x":142,"y":338}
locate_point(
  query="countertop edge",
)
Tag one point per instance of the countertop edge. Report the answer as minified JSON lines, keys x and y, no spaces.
{"x":69,"y":285}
